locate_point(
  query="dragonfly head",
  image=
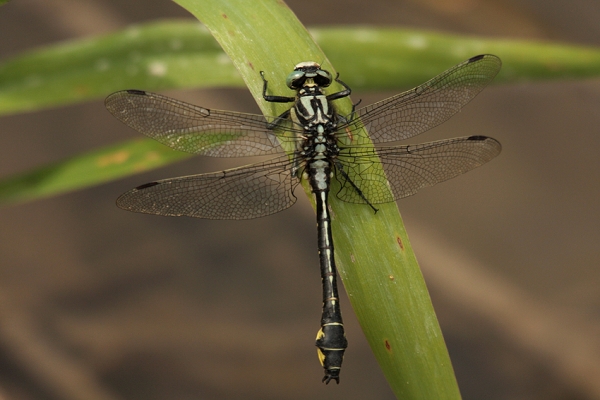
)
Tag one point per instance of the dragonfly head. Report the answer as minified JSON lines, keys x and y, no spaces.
{"x":308,"y":73}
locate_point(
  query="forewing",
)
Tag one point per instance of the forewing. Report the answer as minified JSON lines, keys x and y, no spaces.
{"x":428,"y":105}
{"x":241,"y":193}
{"x":410,"y":168}
{"x":195,"y":129}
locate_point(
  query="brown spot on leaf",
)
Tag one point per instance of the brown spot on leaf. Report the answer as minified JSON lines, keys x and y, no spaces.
{"x":399,"y":240}
{"x":388,"y":346}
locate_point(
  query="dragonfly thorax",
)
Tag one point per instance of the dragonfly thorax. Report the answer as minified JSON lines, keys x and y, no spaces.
{"x":312,"y":109}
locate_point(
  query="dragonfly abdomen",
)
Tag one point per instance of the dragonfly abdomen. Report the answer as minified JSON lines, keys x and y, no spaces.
{"x":331,"y":338}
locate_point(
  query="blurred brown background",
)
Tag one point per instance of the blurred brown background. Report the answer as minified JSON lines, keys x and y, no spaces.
{"x":97,"y":303}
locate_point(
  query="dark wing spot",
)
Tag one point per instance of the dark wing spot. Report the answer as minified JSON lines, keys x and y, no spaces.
{"x":478,"y":138}
{"x":476,"y":58}
{"x":138,"y":92}
{"x":146,"y":185}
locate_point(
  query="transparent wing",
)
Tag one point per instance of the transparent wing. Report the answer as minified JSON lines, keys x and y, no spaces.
{"x":428,"y":105}
{"x":247,"y":192}
{"x":193,"y":129}
{"x":410,"y":168}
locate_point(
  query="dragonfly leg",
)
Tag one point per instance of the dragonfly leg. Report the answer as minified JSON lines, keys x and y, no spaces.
{"x":344,"y":93}
{"x":340,"y":168}
{"x":273,"y":99}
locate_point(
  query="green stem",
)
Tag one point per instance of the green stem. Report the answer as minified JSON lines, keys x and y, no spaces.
{"x":375,"y":260}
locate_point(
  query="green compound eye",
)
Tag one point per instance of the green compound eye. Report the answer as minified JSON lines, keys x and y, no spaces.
{"x":295,"y":79}
{"x":322,"y":78}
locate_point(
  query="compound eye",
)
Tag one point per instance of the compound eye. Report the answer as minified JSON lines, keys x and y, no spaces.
{"x":295,"y":79}
{"x":323,"y":78}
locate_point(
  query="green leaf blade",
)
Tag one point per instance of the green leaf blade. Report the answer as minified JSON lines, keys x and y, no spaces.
{"x":88,"y":169}
{"x":385,"y":58}
{"x":366,"y":245}
{"x":153,"y":56}
{"x":178,"y":54}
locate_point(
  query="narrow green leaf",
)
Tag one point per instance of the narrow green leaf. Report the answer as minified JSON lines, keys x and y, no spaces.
{"x":401,"y":58}
{"x":376,"y":263}
{"x":171,"y":54}
{"x":91,"y":168}
{"x":152,"y":56}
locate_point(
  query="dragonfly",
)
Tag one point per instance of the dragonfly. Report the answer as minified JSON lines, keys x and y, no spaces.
{"x":321,"y":145}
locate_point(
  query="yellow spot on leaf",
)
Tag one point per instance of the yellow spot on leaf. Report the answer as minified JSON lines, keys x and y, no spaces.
{"x":115,"y":158}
